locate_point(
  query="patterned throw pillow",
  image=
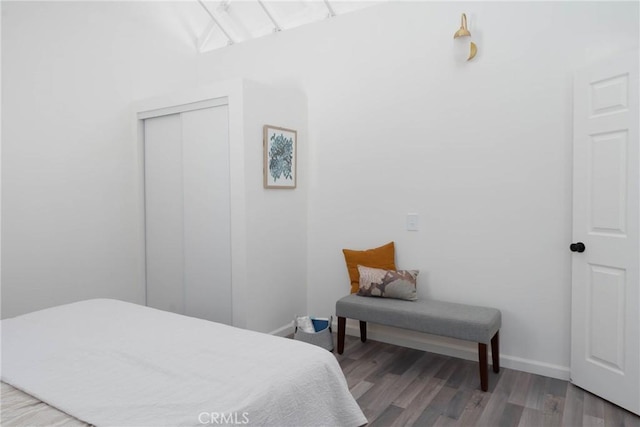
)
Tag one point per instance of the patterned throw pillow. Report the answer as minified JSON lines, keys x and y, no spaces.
{"x":375,"y":282}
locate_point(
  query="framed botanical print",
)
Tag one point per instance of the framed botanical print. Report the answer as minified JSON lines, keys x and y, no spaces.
{"x":279,"y":157}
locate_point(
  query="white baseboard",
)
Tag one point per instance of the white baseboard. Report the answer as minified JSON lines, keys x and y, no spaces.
{"x":454,"y":348}
{"x":283,"y":331}
{"x":440,"y":345}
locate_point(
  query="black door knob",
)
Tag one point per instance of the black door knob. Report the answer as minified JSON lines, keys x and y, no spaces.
{"x":577,"y":247}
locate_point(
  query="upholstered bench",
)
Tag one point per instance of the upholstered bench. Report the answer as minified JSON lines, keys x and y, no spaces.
{"x":464,"y":322}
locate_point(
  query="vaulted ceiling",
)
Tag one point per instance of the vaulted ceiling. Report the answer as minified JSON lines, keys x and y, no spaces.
{"x":227,"y":22}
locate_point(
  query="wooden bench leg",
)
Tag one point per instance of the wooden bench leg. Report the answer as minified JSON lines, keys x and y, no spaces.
{"x":484,"y":366}
{"x":342,"y":323}
{"x":363,"y":331}
{"x":495,"y":352}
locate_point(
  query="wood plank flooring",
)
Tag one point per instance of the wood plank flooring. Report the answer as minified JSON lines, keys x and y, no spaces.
{"x":397,"y":386}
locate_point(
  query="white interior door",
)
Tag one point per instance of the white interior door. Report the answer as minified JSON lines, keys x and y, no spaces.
{"x":605,"y":334}
{"x":187,"y":213}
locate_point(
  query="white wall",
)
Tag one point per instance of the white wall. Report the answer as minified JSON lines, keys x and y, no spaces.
{"x":482,"y":151}
{"x":276,"y":218}
{"x":70,"y":70}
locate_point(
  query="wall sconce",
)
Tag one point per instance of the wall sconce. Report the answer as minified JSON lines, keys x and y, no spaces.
{"x":465,"y":47}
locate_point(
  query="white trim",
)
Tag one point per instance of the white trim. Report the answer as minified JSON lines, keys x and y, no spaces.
{"x":283,"y":331}
{"x":454,"y":348}
{"x":183,"y":108}
{"x":439,"y":345}
{"x":142,"y":234}
{"x":225,"y":89}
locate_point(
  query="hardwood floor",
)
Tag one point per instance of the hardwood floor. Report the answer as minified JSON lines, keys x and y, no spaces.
{"x":397,"y":386}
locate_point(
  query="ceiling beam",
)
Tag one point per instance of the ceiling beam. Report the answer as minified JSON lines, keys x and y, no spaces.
{"x":332,"y":12}
{"x":206,"y":35}
{"x":217,"y":22}
{"x":277,"y":26}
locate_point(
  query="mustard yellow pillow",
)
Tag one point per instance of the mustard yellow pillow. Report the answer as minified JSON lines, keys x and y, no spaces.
{"x":383,"y":257}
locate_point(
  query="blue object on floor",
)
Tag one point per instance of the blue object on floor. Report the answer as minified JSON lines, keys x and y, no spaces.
{"x":320,"y":324}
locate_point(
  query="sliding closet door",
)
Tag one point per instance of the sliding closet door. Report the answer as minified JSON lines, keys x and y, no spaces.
{"x":163,"y":210}
{"x":188,"y":238}
{"x":207,"y":237}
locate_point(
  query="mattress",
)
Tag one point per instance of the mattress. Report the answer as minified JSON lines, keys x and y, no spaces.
{"x":108,"y":362}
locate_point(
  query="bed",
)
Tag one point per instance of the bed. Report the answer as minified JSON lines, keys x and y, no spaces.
{"x":19,"y":409}
{"x":108,"y":362}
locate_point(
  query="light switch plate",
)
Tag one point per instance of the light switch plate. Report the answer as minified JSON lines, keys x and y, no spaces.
{"x":413,"y":222}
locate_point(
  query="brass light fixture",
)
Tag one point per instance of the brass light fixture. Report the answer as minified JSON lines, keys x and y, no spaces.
{"x":464,"y":32}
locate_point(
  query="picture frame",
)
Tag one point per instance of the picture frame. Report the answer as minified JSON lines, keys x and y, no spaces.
{"x":280,"y":157}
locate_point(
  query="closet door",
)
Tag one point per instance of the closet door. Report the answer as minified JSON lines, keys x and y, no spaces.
{"x":188,"y":237}
{"x":163,"y":211}
{"x":207,"y":236}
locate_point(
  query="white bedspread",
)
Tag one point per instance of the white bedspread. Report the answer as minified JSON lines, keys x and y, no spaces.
{"x":112,"y":363}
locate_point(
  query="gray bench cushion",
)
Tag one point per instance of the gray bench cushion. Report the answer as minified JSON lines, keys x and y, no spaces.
{"x":465,"y":322}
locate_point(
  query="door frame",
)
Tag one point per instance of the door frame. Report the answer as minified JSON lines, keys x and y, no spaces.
{"x":230,"y":93}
